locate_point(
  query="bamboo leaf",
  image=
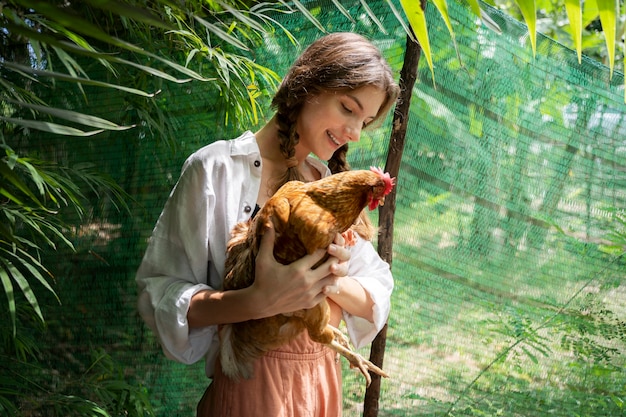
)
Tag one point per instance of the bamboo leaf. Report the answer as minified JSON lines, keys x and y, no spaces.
{"x":474,"y":7}
{"x":80,"y":25}
{"x":590,"y":12}
{"x":81,"y":47}
{"x":306,"y":13}
{"x":242,"y":17}
{"x":401,"y":20}
{"x":529,"y":12}
{"x":372,"y":16}
{"x":126,"y":10}
{"x":10,"y":176}
{"x":417,"y":19}
{"x":575,"y":17}
{"x":34,"y":175}
{"x":26,"y":290}
{"x":39,"y":277}
{"x":73,"y":116}
{"x":64,"y":77}
{"x":8,"y":290}
{"x":51,"y":127}
{"x":71,"y":65}
{"x":343,"y":10}
{"x":156,"y":72}
{"x":442,"y":7}
{"x":608,"y":17}
{"x":222,"y":34}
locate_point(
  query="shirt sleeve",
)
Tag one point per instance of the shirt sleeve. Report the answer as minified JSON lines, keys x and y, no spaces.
{"x":374,"y":275}
{"x":175,"y":265}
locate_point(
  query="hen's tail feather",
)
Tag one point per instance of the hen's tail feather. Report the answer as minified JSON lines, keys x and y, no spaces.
{"x":241,"y":344}
{"x":235,"y":363}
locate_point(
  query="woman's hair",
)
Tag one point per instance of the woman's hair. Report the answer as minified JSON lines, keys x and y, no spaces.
{"x":337,"y":62}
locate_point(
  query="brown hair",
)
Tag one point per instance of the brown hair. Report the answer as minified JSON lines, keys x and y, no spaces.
{"x":337,"y":62}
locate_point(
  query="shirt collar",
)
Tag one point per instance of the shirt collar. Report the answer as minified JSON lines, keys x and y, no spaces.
{"x":244,"y":144}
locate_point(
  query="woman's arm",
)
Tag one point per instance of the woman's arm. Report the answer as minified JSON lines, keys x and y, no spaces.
{"x":276,"y":289}
{"x":364,"y":293}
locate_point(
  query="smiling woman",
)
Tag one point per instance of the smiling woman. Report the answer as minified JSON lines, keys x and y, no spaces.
{"x":331,"y":120}
{"x":337,"y":87}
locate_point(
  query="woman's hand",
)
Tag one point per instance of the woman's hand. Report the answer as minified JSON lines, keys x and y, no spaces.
{"x":339,"y":267}
{"x":286,"y":288}
{"x":346,"y":294}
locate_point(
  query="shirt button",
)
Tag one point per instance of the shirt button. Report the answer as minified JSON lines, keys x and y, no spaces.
{"x":257,"y":163}
{"x":247,"y":209}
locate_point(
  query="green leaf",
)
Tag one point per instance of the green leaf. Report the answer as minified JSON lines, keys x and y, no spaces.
{"x":575,"y":16}
{"x":222,"y":34}
{"x":307,"y":14}
{"x":530,"y":355}
{"x":51,"y":127}
{"x":442,"y":7}
{"x":529,"y":12}
{"x":343,"y":10}
{"x":126,"y":10}
{"x":39,"y":277}
{"x":8,"y":290}
{"x":156,"y":72}
{"x":372,"y":16}
{"x":34,"y":175}
{"x":400,"y":19}
{"x":26,"y":290}
{"x":33,"y":265}
{"x":64,"y":77}
{"x":13,"y":179}
{"x":607,"y":10}
{"x":242,"y":17}
{"x":475,"y":7}
{"x":83,"y":48}
{"x":417,"y":19}
{"x":73,"y":116}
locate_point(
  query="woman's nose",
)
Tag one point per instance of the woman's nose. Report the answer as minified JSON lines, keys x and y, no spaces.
{"x":353,"y":132}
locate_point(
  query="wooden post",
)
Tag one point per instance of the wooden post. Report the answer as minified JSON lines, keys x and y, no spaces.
{"x":408,"y":75}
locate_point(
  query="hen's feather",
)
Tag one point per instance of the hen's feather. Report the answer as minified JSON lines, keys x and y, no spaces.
{"x":305,"y":217}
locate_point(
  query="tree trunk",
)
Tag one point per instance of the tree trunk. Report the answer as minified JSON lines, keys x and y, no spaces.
{"x":408,"y":75}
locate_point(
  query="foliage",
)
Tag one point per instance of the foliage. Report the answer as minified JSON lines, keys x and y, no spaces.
{"x":564,"y":20}
{"x":64,"y":43}
{"x":55,"y":58}
{"x":31,"y":386}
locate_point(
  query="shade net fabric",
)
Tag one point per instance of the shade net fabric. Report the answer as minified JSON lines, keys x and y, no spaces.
{"x":508,"y":299}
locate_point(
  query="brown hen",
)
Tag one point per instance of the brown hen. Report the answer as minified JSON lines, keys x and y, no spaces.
{"x":306,"y":217}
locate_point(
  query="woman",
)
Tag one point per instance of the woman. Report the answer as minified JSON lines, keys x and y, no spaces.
{"x":337,"y":87}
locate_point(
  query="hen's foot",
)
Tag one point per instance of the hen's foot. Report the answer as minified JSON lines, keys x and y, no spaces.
{"x":341,"y":345}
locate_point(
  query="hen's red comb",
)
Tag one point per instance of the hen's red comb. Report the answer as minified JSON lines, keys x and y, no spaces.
{"x":389,"y":182}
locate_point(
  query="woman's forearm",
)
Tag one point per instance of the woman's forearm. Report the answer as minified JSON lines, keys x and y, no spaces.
{"x":353,"y":298}
{"x":212,"y":307}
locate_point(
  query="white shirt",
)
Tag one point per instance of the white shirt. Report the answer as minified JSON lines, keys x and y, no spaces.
{"x":218,"y":188}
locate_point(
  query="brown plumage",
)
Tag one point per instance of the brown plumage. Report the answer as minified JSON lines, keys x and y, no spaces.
{"x":306,"y":217}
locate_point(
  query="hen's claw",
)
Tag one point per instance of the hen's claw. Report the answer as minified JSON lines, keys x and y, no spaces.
{"x":341,"y":345}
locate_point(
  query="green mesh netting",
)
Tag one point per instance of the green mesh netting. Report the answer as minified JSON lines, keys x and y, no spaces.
{"x":504,"y":304}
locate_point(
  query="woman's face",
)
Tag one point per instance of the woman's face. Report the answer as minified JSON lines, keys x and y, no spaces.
{"x":329,"y":120}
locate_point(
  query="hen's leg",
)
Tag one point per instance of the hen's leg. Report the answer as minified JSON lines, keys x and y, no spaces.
{"x":316,"y":320}
{"x":341,"y":345}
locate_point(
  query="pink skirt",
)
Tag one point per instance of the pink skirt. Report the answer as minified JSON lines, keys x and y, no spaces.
{"x":299,"y":379}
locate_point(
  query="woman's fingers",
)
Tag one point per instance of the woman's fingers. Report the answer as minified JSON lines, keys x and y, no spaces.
{"x":266,"y":248}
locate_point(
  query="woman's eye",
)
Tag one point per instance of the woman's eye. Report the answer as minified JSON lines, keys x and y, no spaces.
{"x":346,"y":109}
